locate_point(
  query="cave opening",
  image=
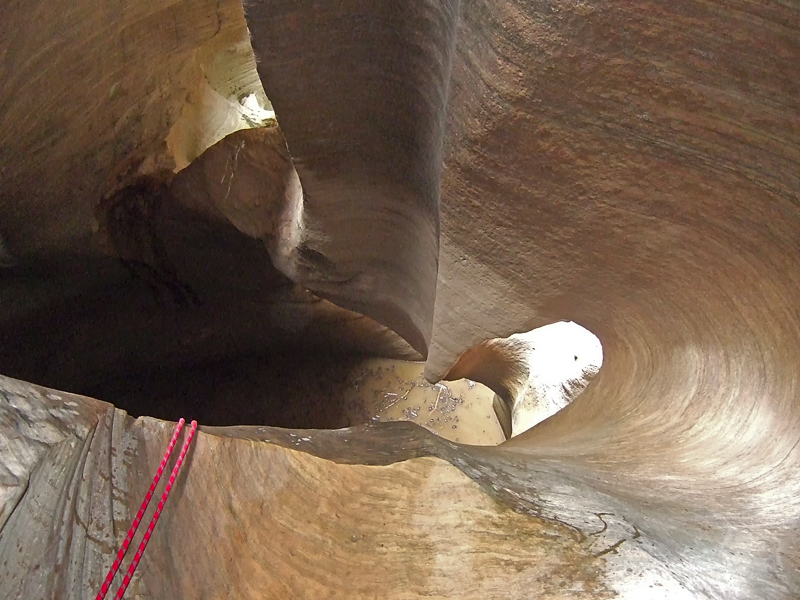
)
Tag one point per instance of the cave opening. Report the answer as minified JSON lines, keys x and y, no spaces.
{"x":189,"y":318}
{"x":534,"y":374}
{"x":187,"y":300}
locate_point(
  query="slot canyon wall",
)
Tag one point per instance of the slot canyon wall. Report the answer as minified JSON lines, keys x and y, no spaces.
{"x":205,"y":196}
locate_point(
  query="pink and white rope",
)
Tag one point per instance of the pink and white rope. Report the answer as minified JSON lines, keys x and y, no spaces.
{"x":136,"y":557}
{"x":135,"y":525}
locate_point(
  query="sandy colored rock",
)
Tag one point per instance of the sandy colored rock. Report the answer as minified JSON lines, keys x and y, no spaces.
{"x":469,"y":170}
{"x":295,"y":518}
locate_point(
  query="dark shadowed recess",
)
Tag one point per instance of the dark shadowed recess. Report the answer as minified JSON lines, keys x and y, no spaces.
{"x":205,"y":328}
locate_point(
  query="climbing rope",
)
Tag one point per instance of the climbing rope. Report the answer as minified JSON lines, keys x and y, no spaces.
{"x":135,"y":525}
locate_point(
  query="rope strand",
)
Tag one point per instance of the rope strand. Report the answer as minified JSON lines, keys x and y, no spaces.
{"x":135,"y":525}
{"x":127,"y":579}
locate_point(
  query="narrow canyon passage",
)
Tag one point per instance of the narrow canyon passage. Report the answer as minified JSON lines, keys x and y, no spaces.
{"x":322,"y":228}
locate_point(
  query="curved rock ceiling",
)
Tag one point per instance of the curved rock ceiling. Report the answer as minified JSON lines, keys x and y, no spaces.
{"x":452,"y":172}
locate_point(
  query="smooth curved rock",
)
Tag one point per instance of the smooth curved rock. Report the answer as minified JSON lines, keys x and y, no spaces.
{"x":92,"y":94}
{"x":366,"y":137}
{"x":630,"y":167}
{"x":304,"y":514}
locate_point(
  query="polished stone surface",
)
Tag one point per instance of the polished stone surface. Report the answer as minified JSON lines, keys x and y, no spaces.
{"x":453,"y":172}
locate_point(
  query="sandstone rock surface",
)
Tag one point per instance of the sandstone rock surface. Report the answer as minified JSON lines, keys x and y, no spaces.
{"x":445,"y":173}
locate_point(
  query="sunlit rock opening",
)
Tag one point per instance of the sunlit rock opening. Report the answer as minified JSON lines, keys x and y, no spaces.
{"x":536,"y":373}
